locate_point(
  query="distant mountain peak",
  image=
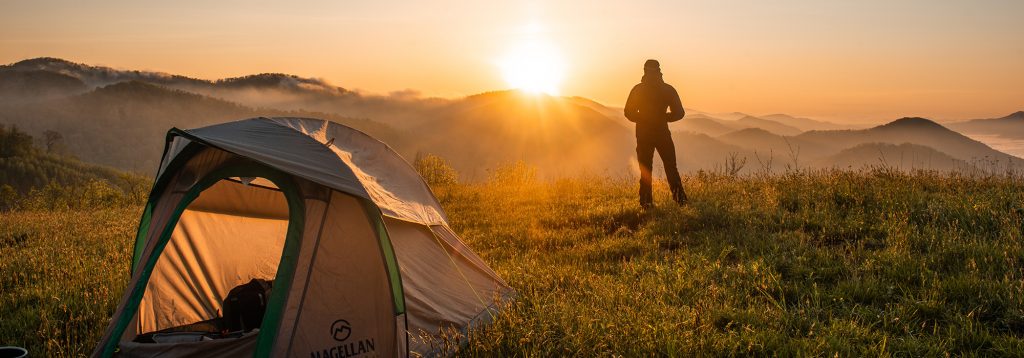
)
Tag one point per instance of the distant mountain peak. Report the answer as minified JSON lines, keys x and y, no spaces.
{"x":100,"y":76}
{"x":52,"y":64}
{"x":266,"y":76}
{"x":753,"y":131}
{"x":137,"y":90}
{"x":908,"y":122}
{"x":130,"y":84}
{"x":280,"y":80}
{"x":1016,"y":115}
{"x":698,"y":115}
{"x":72,"y":68}
{"x":516,"y":93}
{"x":43,"y":61}
{"x":516,"y":96}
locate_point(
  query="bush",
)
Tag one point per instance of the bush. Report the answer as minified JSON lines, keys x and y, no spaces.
{"x":435,"y":170}
{"x":8,"y":197}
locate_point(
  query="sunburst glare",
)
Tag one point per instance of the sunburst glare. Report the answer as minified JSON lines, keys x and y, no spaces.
{"x":534,"y":65}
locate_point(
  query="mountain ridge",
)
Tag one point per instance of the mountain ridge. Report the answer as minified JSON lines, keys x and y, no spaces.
{"x":115,"y":124}
{"x":897,"y":156}
{"x":914,"y":130}
{"x":1009,"y":126}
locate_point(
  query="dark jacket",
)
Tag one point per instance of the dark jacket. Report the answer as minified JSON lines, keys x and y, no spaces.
{"x":647,"y":104}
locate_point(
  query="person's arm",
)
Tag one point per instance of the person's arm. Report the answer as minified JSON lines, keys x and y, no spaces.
{"x":675,"y":106}
{"x":630,"y":110}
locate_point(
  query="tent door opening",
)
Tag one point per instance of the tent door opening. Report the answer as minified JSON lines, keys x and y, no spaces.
{"x":215,"y":275}
{"x":221,"y":258}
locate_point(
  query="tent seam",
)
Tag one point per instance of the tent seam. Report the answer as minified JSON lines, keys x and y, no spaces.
{"x":309,"y":272}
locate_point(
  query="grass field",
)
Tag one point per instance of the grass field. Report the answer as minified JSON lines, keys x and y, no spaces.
{"x":830,"y":263}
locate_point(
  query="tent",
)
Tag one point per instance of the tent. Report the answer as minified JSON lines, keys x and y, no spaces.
{"x":358,"y":250}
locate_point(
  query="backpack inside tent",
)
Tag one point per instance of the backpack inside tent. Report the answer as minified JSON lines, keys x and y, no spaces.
{"x":294,"y":237}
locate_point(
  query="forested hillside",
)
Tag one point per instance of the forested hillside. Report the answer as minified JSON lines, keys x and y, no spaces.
{"x":34,"y":177}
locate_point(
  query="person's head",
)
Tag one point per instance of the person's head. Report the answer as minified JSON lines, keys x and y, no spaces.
{"x":652,"y":65}
{"x":652,"y":71}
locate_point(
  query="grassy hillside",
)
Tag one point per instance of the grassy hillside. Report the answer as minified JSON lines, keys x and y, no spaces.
{"x":63,"y":273}
{"x":847,"y":263}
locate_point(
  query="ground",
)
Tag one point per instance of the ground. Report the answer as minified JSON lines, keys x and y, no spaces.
{"x":829,"y":263}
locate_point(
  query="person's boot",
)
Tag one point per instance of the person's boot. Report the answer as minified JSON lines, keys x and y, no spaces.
{"x":645,"y":207}
{"x":646,"y":197}
{"x":679,"y":196}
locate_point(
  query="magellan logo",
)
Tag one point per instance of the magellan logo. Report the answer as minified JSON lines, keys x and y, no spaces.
{"x":341,"y":330}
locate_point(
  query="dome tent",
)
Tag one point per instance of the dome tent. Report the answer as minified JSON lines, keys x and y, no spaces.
{"x":357,"y":248}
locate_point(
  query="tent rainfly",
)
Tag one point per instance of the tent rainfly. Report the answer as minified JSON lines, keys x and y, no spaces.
{"x":353,"y":250}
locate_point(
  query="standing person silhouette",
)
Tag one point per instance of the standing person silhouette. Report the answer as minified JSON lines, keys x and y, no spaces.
{"x":646,"y":106}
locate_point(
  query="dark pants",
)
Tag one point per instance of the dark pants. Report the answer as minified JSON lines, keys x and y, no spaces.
{"x":646,"y":144}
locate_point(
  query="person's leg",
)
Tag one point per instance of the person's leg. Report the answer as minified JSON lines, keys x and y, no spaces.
{"x":667,"y":152}
{"x":645,"y":157}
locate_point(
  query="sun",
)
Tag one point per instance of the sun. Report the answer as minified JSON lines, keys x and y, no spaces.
{"x":534,"y":66}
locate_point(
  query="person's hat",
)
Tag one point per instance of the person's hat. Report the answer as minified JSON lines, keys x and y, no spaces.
{"x":652,"y":64}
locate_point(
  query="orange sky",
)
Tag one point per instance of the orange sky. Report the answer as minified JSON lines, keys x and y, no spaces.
{"x":857,"y":61}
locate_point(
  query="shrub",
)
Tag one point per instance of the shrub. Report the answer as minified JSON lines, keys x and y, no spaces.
{"x":435,"y":170}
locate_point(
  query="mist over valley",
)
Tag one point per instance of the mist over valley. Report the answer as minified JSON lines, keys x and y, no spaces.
{"x":118,"y":118}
